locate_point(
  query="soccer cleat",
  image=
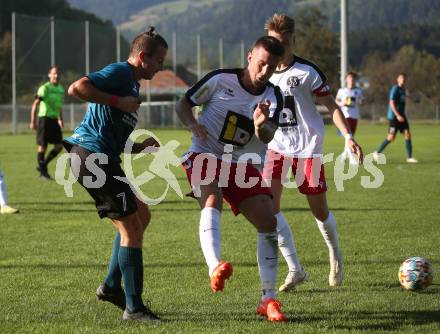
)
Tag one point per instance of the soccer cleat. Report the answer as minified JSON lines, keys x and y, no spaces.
{"x":116,"y":297}
{"x":145,"y":315}
{"x":376,"y":156}
{"x":336,"y":272}
{"x":43,"y":173}
{"x":6,"y":209}
{"x":45,"y":176}
{"x":412,"y":161}
{"x":271,"y":309}
{"x":293,"y":279}
{"x":220,"y":274}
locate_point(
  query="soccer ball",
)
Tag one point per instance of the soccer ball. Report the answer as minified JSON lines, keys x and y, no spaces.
{"x":415,"y":273}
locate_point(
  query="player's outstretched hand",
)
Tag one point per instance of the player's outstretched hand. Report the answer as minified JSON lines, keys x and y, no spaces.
{"x":128,"y":104}
{"x":198,"y":130}
{"x":32,"y":126}
{"x":261,"y":113}
{"x":356,"y":149}
{"x":400,"y":119}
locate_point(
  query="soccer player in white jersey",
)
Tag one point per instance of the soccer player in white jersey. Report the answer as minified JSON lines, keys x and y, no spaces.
{"x":349,"y":98}
{"x":4,"y":207}
{"x":233,"y":127}
{"x":297,"y":144}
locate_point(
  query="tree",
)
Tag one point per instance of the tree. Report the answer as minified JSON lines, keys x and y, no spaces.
{"x":317,"y":43}
{"x":423,"y":71}
{"x":5,"y":67}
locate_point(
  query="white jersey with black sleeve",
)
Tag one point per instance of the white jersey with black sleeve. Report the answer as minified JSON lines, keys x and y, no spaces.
{"x":350,"y":99}
{"x":300,"y":130}
{"x":227,"y":113}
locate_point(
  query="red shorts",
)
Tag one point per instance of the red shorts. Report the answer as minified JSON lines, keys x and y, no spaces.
{"x":352,"y":124}
{"x":308,"y":172}
{"x":238,"y":181}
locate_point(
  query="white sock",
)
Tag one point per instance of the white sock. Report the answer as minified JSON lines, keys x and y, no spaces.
{"x":3,"y":195}
{"x":286,"y":243}
{"x":267,"y":258}
{"x":330,"y":235}
{"x":209,"y":232}
{"x":344,"y":155}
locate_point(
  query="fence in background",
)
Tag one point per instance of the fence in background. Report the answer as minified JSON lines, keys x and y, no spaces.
{"x":81,"y":47}
{"x":151,"y":115}
{"x":162,"y":115}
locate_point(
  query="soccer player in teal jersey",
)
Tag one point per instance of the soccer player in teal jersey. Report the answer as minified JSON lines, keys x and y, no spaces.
{"x":113,"y":96}
{"x":397,"y":118}
{"x":49,"y":101}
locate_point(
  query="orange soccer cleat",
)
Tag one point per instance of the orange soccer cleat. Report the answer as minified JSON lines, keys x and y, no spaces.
{"x":220,"y":274}
{"x":271,"y":309}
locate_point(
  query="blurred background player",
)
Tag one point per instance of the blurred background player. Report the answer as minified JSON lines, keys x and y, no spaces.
{"x":349,"y":98}
{"x":49,"y":101}
{"x":297,"y":144}
{"x":235,"y":120}
{"x":4,"y":207}
{"x":397,"y":119}
{"x":113,"y":96}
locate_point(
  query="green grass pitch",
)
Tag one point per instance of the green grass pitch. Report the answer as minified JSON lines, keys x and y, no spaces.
{"x":54,"y":254}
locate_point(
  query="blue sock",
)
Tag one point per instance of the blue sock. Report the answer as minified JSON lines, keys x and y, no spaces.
{"x":408,"y":145}
{"x":383,"y":145}
{"x":114,"y":275}
{"x":130,"y":262}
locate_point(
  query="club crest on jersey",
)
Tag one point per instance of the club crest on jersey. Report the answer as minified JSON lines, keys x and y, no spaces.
{"x":229,"y":92}
{"x":293,"y":81}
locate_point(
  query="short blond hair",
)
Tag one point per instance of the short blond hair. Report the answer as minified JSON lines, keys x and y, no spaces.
{"x":280,"y":23}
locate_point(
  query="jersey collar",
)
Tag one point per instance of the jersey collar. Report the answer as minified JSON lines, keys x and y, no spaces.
{"x":288,"y":67}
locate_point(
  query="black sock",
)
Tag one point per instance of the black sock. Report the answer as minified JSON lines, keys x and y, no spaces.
{"x":41,"y":162}
{"x":132,"y":268}
{"x":114,"y":276}
{"x":52,"y":154}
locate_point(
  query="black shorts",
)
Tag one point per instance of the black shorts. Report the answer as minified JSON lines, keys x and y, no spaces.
{"x":395,"y":126}
{"x":48,"y":131}
{"x":114,"y":198}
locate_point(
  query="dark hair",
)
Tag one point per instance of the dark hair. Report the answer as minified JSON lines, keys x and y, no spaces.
{"x":402,"y":74}
{"x":270,"y":44}
{"x":148,"y":41}
{"x":353,"y":74}
{"x":53,"y":67}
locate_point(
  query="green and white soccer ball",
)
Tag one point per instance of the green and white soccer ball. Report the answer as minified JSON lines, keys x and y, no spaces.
{"x":415,"y":273}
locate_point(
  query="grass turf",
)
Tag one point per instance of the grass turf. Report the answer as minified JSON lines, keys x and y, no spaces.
{"x":54,"y":254}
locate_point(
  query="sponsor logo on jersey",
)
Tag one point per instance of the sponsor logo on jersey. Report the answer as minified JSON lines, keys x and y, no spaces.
{"x":237,"y":129}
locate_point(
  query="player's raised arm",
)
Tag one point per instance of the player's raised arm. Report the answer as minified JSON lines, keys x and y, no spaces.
{"x":84,"y":90}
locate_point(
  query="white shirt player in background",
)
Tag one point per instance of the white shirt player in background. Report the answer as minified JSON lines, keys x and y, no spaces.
{"x":297,"y":144}
{"x":235,"y":120}
{"x":349,"y":98}
{"x":4,"y":207}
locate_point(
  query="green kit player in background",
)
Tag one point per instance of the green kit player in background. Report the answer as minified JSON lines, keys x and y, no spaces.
{"x":49,"y":99}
